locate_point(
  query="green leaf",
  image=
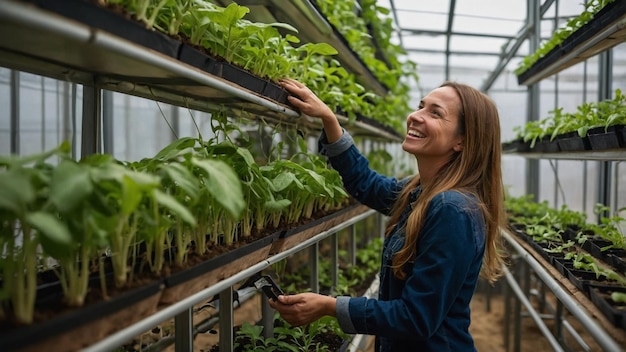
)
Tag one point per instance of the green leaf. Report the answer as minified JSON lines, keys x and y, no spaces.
{"x":174,"y":149}
{"x":234,"y":13}
{"x":131,"y":196}
{"x":319,"y":48}
{"x":173,"y":205}
{"x":283,"y":25}
{"x":182,"y":177}
{"x":223,"y":184}
{"x":54,"y":233}
{"x":15,"y":190}
{"x":284,"y":180}
{"x":70,"y":185}
{"x":276,"y":205}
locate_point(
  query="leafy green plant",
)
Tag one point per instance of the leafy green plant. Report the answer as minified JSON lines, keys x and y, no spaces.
{"x":584,"y":261}
{"x":26,"y":223}
{"x":544,"y":232}
{"x":562,"y":33}
{"x":588,"y":115}
{"x":608,"y":228}
{"x":178,"y":187}
{"x":287,"y":338}
{"x":260,"y":48}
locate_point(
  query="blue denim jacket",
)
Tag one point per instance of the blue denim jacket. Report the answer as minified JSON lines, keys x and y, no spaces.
{"x":429,"y":311}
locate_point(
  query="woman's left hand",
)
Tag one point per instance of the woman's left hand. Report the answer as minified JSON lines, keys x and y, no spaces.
{"x":304,"y":308}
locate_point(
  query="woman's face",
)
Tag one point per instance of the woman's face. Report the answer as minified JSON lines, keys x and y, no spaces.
{"x":432,"y":132}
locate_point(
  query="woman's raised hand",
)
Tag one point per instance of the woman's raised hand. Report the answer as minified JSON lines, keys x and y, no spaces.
{"x":310,"y":104}
{"x":305,"y":100}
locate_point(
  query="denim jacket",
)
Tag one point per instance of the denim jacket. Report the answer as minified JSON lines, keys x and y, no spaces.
{"x":429,"y":310}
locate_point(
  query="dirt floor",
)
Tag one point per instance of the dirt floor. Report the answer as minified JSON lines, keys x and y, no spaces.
{"x":487,"y":328}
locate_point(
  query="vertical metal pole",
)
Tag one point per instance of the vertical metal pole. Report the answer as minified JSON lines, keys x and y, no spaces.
{"x":176,"y":122}
{"x":616,"y":174}
{"x":67,"y":113}
{"x":558,"y":323}
{"x":507,"y":316}
{"x":15,"y":112}
{"x":604,"y":92}
{"x":226,"y":320}
{"x":43,"y":111}
{"x":334,"y":260}
{"x":532,"y":170}
{"x":556,"y":105}
{"x":90,"y":138}
{"x":517,"y":321}
{"x":183,"y":337}
{"x":585,"y":163}
{"x":107,"y":121}
{"x":73,"y":121}
{"x":314,"y":267}
{"x":352,"y":244}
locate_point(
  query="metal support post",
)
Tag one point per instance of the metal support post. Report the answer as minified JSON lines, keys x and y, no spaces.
{"x":334,"y":261}
{"x":15,"y":112}
{"x":107,"y":121}
{"x":226,"y":320}
{"x":184,"y":331}
{"x":90,"y":138}
{"x":314,"y":267}
{"x":558,"y":322}
{"x":352,"y":245}
{"x":517,"y":313}
{"x":507,"y":313}
{"x":532,"y":114}
{"x":604,"y":92}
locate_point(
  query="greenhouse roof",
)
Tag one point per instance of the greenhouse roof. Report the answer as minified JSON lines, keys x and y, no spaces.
{"x":470,"y":37}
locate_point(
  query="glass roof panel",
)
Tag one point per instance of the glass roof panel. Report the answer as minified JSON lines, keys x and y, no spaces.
{"x":468,"y":44}
{"x":424,"y":43}
{"x":475,"y":36}
{"x":489,"y":16}
{"x":422,"y":20}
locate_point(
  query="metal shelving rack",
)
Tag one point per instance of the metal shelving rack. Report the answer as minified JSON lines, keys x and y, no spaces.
{"x":98,"y":59}
{"x":531,"y":267}
{"x":594,"y":40}
{"x":519,"y":284}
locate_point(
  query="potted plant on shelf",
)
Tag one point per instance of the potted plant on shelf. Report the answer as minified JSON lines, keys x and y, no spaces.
{"x":594,"y":126}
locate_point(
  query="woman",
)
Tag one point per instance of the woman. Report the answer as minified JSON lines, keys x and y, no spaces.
{"x":443,"y":228}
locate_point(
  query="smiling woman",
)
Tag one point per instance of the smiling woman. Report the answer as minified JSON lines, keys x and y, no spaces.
{"x":444,"y":222}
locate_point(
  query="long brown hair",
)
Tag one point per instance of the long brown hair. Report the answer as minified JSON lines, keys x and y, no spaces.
{"x":475,"y":170}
